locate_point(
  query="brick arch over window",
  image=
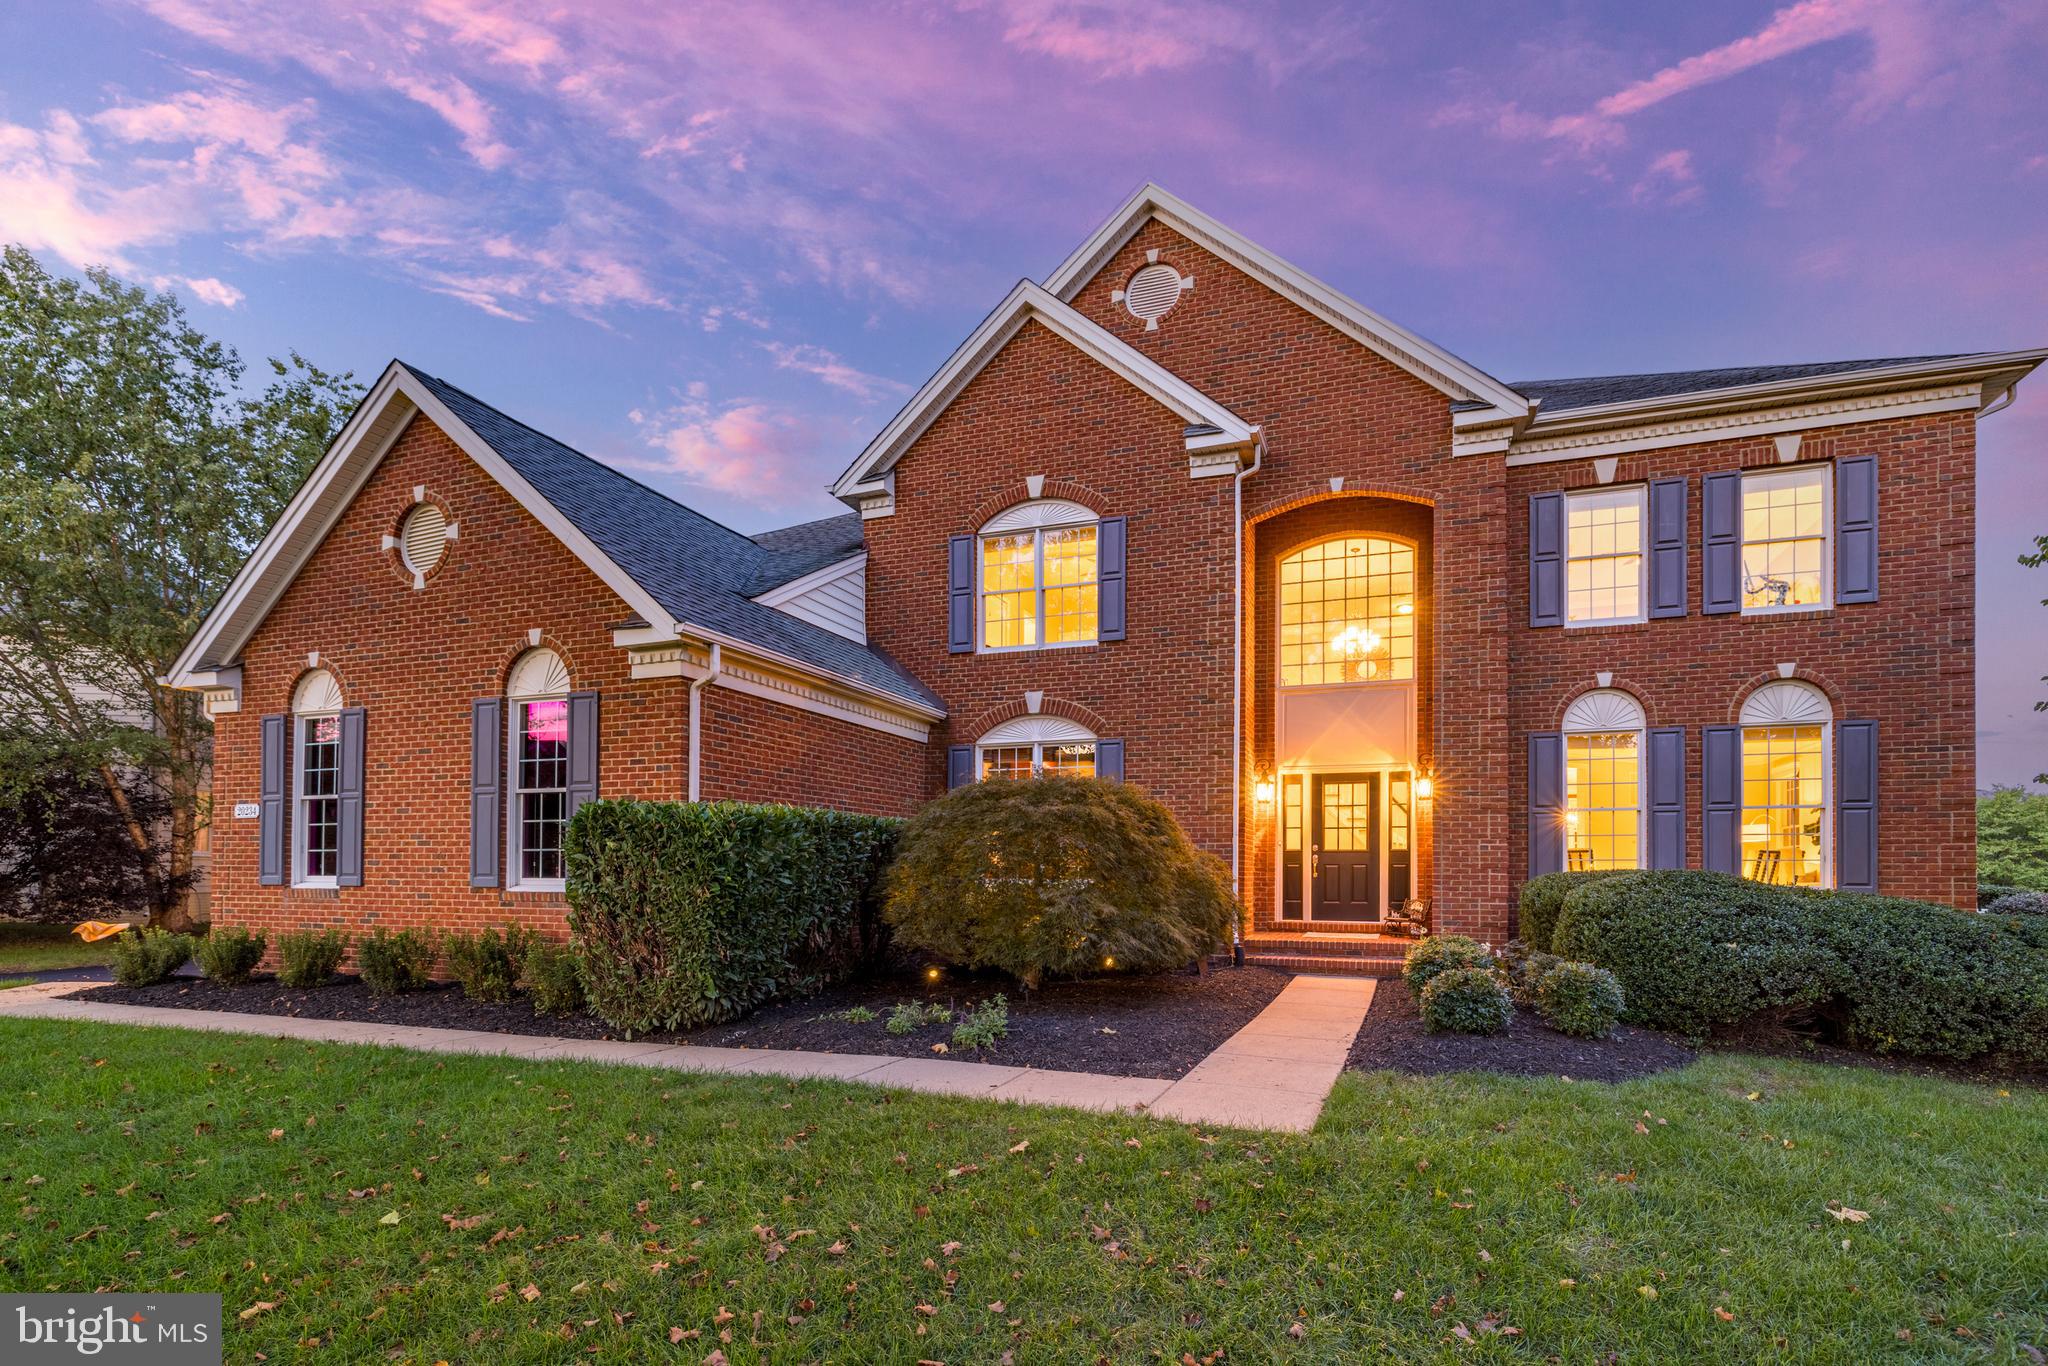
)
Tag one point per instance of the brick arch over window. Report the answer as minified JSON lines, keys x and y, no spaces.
{"x":327,"y":665}
{"x":969,"y":731}
{"x":510,"y":655}
{"x":1393,"y":492}
{"x":1756,"y":683}
{"x":1066,"y":490}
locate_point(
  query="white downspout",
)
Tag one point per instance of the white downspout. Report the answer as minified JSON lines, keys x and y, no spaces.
{"x":1237,"y":687}
{"x":697,"y":714}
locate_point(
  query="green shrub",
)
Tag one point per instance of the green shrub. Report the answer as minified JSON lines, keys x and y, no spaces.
{"x":907,"y":1017}
{"x":1697,"y":950}
{"x":1989,"y":892}
{"x":2020,"y":903}
{"x":487,"y":964}
{"x":1521,"y":969}
{"x":1541,"y":902}
{"x":985,"y":1025}
{"x":1057,"y":876}
{"x":229,"y":956}
{"x":142,"y":958}
{"x":1580,"y":999}
{"x":690,"y":913}
{"x":389,"y":962}
{"x":1466,"y":1001}
{"x":308,"y":958}
{"x":1443,"y":953}
{"x":554,"y":977}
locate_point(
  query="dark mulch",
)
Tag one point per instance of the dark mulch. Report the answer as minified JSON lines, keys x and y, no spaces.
{"x":1785,"y":1041}
{"x":1157,"y":1026}
{"x":1392,"y":1038}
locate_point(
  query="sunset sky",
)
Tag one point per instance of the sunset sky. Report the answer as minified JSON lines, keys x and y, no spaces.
{"x":717,"y":243}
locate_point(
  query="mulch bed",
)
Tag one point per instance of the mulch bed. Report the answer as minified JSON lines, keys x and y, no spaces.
{"x":1157,"y":1026}
{"x":1393,"y":1039}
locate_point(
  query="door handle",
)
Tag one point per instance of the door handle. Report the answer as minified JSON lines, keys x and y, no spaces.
{"x":1315,"y":862}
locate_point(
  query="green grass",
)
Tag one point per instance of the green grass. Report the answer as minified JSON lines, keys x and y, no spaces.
{"x":323,"y":1180}
{"x":33,"y":948}
{"x":6,"y":982}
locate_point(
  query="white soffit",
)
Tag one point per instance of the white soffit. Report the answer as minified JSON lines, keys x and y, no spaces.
{"x":1424,"y":359}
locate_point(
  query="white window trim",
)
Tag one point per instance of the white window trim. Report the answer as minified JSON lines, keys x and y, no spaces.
{"x":1610,"y":711}
{"x":1035,"y":733}
{"x":301,"y":801}
{"x":1639,"y":494}
{"x":1037,"y":518}
{"x":1768,"y":707}
{"x":538,"y":676}
{"x":1789,"y":475}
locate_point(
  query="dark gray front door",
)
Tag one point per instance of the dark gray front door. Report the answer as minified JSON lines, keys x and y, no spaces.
{"x":1344,"y":848}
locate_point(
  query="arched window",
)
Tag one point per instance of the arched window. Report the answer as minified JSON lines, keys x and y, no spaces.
{"x":1033,"y":746}
{"x":1603,"y":781}
{"x":1347,"y":612}
{"x":537,"y":782}
{"x":1785,"y":791}
{"x":1039,"y":576}
{"x":316,"y":780}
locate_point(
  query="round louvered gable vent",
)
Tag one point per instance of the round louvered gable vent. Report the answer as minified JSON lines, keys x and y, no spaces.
{"x":1152,"y":292}
{"x":423,"y":540}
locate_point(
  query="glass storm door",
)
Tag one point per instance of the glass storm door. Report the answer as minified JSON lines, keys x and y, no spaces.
{"x":1343,"y":855}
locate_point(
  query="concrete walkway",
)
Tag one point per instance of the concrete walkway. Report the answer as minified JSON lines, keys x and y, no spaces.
{"x":1272,"y":1074}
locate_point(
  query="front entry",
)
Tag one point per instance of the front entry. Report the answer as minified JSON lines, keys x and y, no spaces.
{"x":1343,"y":848}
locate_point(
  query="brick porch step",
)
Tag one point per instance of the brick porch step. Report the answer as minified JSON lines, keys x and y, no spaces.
{"x":1344,"y":955}
{"x":1334,"y":967}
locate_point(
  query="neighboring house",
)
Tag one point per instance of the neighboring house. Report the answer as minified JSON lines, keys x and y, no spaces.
{"x":1374,"y":624}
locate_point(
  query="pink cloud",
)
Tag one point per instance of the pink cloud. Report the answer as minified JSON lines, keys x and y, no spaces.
{"x":463,"y":109}
{"x":48,"y":204}
{"x":216,"y":292}
{"x":1139,"y":37}
{"x":827,"y":367}
{"x":746,"y":449}
{"x":1669,"y":180}
{"x":1790,"y":30}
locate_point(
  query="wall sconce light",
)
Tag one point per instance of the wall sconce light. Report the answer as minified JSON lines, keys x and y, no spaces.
{"x":1424,"y":788}
{"x":1262,"y":790}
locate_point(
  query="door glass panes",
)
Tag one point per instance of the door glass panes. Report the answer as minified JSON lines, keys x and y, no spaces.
{"x":1397,"y":812}
{"x":1347,"y":612}
{"x":1290,"y":815}
{"x":543,"y":794}
{"x":1784,"y":538}
{"x":1784,"y":804}
{"x":1603,"y":800}
{"x":1347,"y":817}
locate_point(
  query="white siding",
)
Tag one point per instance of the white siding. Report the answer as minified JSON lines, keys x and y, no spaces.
{"x":834,"y":598}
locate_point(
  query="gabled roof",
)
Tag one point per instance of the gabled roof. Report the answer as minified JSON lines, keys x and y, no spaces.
{"x":1458,"y":379}
{"x":807,"y":547}
{"x":1560,"y":395}
{"x":678,"y":570}
{"x":1209,"y":425}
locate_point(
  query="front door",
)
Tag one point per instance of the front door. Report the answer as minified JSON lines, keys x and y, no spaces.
{"x":1344,"y":857}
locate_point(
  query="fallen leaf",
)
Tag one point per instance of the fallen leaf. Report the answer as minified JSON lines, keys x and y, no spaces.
{"x":390,"y":1218}
{"x":529,"y":1292}
{"x":260,"y":1307}
{"x":684,"y":1334}
{"x":1296,"y":1331}
{"x":1648,"y":1292}
{"x":1020,"y":1146}
{"x":1723,"y":1314}
{"x":1849,"y":1216}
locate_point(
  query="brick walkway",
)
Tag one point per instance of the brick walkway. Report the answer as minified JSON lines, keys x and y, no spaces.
{"x":1273,"y":1074}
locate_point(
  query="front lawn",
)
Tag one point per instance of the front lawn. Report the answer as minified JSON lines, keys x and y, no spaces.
{"x":28,"y":947}
{"x":422,"y":1207}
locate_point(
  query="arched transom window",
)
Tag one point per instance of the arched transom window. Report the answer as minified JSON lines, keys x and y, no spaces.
{"x":1347,"y":612}
{"x":1603,"y":781}
{"x":316,"y":780}
{"x":538,"y":696}
{"x":1039,"y":576}
{"x":1785,"y":797}
{"x":1032,"y":746}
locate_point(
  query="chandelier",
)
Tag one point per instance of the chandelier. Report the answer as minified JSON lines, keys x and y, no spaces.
{"x":1363,"y":646}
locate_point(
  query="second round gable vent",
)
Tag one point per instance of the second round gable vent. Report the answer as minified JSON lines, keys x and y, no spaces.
{"x":1151,"y":294}
{"x":423,"y":539}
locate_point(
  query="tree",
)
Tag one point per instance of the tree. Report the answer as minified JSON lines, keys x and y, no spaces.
{"x":135,"y":476}
{"x":2012,"y":838}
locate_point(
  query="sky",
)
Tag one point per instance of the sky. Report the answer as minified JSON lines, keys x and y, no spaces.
{"x":717,"y":244}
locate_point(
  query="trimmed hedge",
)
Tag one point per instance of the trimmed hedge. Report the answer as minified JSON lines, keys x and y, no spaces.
{"x":310,"y":958}
{"x":142,"y":958}
{"x":1580,"y":999}
{"x":1541,"y":901}
{"x":691,"y":913}
{"x":229,"y":956}
{"x":1057,"y":877}
{"x":1427,"y":958}
{"x":391,"y":962}
{"x":1466,"y":1001}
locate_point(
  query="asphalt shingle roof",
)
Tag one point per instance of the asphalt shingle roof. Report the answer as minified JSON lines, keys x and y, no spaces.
{"x":699,"y":571}
{"x":1559,"y":395}
{"x":794,"y":551}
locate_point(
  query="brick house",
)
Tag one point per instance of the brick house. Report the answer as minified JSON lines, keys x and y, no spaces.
{"x":1385,"y":632}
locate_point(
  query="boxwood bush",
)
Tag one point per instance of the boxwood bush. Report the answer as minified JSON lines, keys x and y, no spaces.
{"x":229,"y":956}
{"x":689,"y":913}
{"x":487,"y":964}
{"x":1580,"y":999}
{"x":1442,"y":953}
{"x":1466,"y":1001}
{"x":554,"y":978}
{"x":309,"y":958}
{"x":1541,"y":902}
{"x":1057,"y":877}
{"x":389,"y":963}
{"x":142,"y":958}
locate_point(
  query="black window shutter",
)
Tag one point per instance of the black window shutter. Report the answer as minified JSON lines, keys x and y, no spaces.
{"x":1721,"y":542}
{"x":270,"y":824}
{"x":960,"y":595}
{"x":583,"y":749}
{"x":1546,"y":803}
{"x":486,"y":807}
{"x":959,"y":766}
{"x":1109,"y":760}
{"x":1546,"y":559}
{"x":1721,"y":807}
{"x":1667,"y":797}
{"x":1856,"y":804}
{"x":1856,"y":529}
{"x":1667,"y":547}
{"x":349,"y":791}
{"x":1109,"y":546}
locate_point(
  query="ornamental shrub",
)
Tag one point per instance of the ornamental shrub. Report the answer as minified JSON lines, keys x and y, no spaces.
{"x":1580,"y":999}
{"x":1443,"y":953}
{"x":1057,"y":876}
{"x":308,"y":958}
{"x":229,"y":956}
{"x":142,"y":958}
{"x":487,"y":964}
{"x":390,"y":963}
{"x":907,"y":1017}
{"x":985,"y":1025}
{"x":1541,"y":901}
{"x":554,"y":978}
{"x":689,"y":913}
{"x":1466,"y":1001}
{"x":1521,"y":969}
{"x":1988,"y":892}
{"x":2019,"y":902}
{"x":1697,"y":950}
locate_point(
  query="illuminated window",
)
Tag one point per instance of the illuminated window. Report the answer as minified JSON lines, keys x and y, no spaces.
{"x":316,"y":780}
{"x":1603,"y":782}
{"x":538,"y":695}
{"x":1785,"y":539}
{"x":1604,"y":556}
{"x":1039,"y":575}
{"x":1347,"y":612}
{"x":1037,"y":747}
{"x":1785,"y":785}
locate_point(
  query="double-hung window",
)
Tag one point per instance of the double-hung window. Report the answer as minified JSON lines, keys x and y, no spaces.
{"x":316,"y":781}
{"x":1603,"y":788}
{"x":1604,"y":556}
{"x":538,"y":789}
{"x":1786,"y":800}
{"x":1785,"y":539}
{"x":1039,"y":577}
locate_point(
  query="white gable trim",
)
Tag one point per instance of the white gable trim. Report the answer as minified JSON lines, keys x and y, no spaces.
{"x":864,"y":483}
{"x":1417,"y":355}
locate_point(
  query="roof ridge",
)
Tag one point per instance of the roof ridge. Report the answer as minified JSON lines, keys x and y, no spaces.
{"x":1872,"y":362}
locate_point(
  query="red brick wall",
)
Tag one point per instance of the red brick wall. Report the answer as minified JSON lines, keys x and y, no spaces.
{"x":760,"y":751}
{"x":1907,"y":661}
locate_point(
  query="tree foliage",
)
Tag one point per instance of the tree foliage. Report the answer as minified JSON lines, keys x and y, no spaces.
{"x":2012,"y":838}
{"x":136,"y":473}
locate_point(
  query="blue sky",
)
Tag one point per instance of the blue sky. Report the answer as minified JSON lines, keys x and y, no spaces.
{"x":717,"y":243}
